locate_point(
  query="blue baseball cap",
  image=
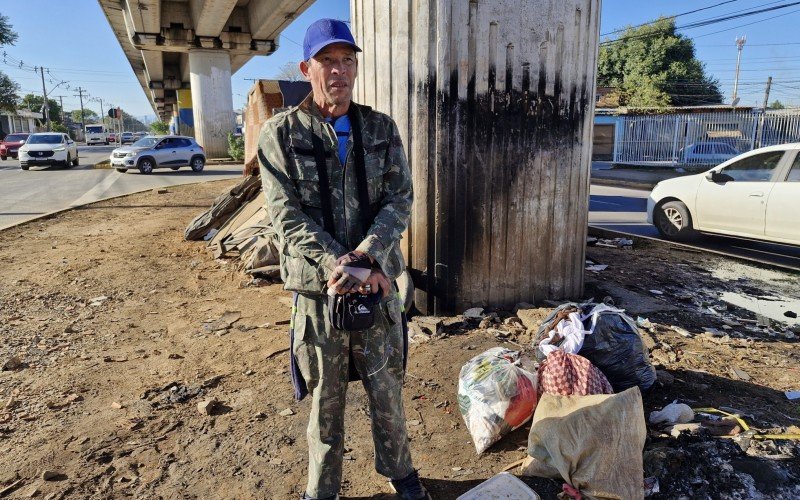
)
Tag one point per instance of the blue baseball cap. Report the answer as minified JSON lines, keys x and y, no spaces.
{"x":325,"y":32}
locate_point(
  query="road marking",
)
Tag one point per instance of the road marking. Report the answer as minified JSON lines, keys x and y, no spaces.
{"x":97,"y":191}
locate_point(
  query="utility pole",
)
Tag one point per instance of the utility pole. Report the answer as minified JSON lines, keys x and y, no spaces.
{"x":102,"y":112}
{"x":758,"y":140}
{"x":739,"y":44}
{"x":46,"y":107}
{"x":80,"y":94}
{"x":61,"y":100}
{"x":766,"y":95}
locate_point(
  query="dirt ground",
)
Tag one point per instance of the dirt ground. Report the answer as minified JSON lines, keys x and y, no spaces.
{"x":113,"y":329}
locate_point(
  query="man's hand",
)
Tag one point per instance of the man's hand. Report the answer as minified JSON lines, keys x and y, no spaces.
{"x":352,"y":270}
{"x":377,"y":281}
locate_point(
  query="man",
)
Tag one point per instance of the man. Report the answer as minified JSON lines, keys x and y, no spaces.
{"x":338,"y":233}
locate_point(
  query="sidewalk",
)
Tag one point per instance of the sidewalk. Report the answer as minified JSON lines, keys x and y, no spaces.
{"x":632,"y":177}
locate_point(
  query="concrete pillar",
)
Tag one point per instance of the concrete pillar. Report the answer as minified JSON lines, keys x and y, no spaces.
{"x":495,"y":101}
{"x":212,"y":99}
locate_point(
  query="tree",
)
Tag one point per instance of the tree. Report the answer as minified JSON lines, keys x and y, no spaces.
{"x":290,"y":72}
{"x":159,"y":127}
{"x":652,"y":65}
{"x":8,"y":93}
{"x":776,"y":104}
{"x":34,"y":103}
{"x":88,"y":115}
{"x":7,"y":35}
{"x":8,"y":88}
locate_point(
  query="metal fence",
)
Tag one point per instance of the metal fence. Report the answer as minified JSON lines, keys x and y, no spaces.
{"x":700,"y":138}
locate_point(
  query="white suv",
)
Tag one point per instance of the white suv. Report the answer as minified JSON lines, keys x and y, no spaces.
{"x":48,"y":148}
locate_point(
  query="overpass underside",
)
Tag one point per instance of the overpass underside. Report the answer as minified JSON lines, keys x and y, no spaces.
{"x":197,"y":44}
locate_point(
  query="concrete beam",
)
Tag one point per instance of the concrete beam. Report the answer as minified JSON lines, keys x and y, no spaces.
{"x":210,"y":16}
{"x":269,"y":17}
{"x":144,"y":15}
{"x":153,"y":64}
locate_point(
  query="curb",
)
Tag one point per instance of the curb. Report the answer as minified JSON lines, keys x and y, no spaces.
{"x":62,"y":210}
{"x":610,"y":234}
{"x":624,"y":183}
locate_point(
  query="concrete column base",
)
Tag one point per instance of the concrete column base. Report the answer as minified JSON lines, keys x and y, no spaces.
{"x":212,"y":99}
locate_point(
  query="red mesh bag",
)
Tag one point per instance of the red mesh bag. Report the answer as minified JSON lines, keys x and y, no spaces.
{"x":571,"y":375}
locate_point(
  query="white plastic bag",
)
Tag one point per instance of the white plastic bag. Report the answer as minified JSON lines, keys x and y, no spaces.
{"x":495,"y":395}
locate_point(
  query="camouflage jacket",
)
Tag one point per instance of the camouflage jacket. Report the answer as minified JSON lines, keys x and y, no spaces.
{"x":291,"y":185}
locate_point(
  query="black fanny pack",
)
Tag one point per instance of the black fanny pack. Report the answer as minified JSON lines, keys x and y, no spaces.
{"x":353,"y":311}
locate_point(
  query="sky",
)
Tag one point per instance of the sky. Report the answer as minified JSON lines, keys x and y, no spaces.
{"x":80,"y":49}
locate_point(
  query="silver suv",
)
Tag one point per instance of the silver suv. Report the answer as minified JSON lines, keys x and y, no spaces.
{"x":173,"y":151}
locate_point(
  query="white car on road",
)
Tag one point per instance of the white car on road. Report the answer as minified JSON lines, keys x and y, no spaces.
{"x":48,"y":148}
{"x":754,"y":195}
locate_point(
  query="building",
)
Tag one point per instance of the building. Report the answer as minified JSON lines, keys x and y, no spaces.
{"x":23,"y":120}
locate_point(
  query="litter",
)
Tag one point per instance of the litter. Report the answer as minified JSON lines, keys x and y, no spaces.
{"x":612,"y":344}
{"x":792,"y":395}
{"x":474,"y":313}
{"x":501,"y":486}
{"x":594,"y":443}
{"x":673,"y":413}
{"x":567,"y":336}
{"x":596,"y":268}
{"x":495,"y":395}
{"x":571,"y":375}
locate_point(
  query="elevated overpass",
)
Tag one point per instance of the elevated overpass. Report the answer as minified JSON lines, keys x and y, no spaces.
{"x":197,"y":45}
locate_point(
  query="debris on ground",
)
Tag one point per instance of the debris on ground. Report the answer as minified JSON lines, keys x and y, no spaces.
{"x":158,"y":443}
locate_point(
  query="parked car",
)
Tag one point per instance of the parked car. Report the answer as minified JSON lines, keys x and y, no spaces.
{"x":112,"y":137}
{"x":754,"y":195}
{"x":48,"y":148}
{"x":10,"y":144}
{"x":138,"y":135}
{"x":126,"y":137}
{"x":710,"y":153}
{"x":151,"y":152}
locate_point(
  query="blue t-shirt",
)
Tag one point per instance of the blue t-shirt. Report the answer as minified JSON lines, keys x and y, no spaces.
{"x":341,"y":126}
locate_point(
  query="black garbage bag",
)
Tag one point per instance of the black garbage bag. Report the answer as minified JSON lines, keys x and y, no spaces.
{"x":614,"y":345}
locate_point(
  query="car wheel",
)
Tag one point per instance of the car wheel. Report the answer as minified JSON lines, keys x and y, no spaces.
{"x":174,"y":168}
{"x":673,"y":221}
{"x":122,"y":170}
{"x":106,"y":143}
{"x":24,"y":167}
{"x":198,"y":162}
{"x":3,"y":158}
{"x":68,"y":161}
{"x":145,"y":166}
{"x":76,"y":161}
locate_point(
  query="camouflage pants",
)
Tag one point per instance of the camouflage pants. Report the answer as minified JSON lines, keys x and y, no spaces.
{"x":323,"y":355}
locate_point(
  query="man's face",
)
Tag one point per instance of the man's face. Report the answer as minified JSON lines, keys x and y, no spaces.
{"x":332,"y":73}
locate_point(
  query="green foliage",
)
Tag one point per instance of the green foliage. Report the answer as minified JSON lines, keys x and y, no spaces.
{"x":776,"y":104}
{"x":34,"y":103}
{"x":7,"y":35}
{"x":236,"y":147}
{"x":653,"y":66}
{"x":8,"y":93}
{"x":57,"y":127}
{"x":159,"y":128}
{"x":89,"y":115}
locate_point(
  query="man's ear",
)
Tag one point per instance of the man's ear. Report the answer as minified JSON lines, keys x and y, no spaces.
{"x":304,"y":67}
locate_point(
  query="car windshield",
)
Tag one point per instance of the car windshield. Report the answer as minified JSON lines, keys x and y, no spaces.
{"x":14,"y":138}
{"x":44,"y":139}
{"x":146,"y":142}
{"x":94,"y":130}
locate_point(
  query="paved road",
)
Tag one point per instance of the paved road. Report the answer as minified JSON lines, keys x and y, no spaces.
{"x":28,"y":194}
{"x":625,"y":210}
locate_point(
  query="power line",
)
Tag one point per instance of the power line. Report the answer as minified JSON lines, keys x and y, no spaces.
{"x":669,"y":17}
{"x":706,"y":22}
